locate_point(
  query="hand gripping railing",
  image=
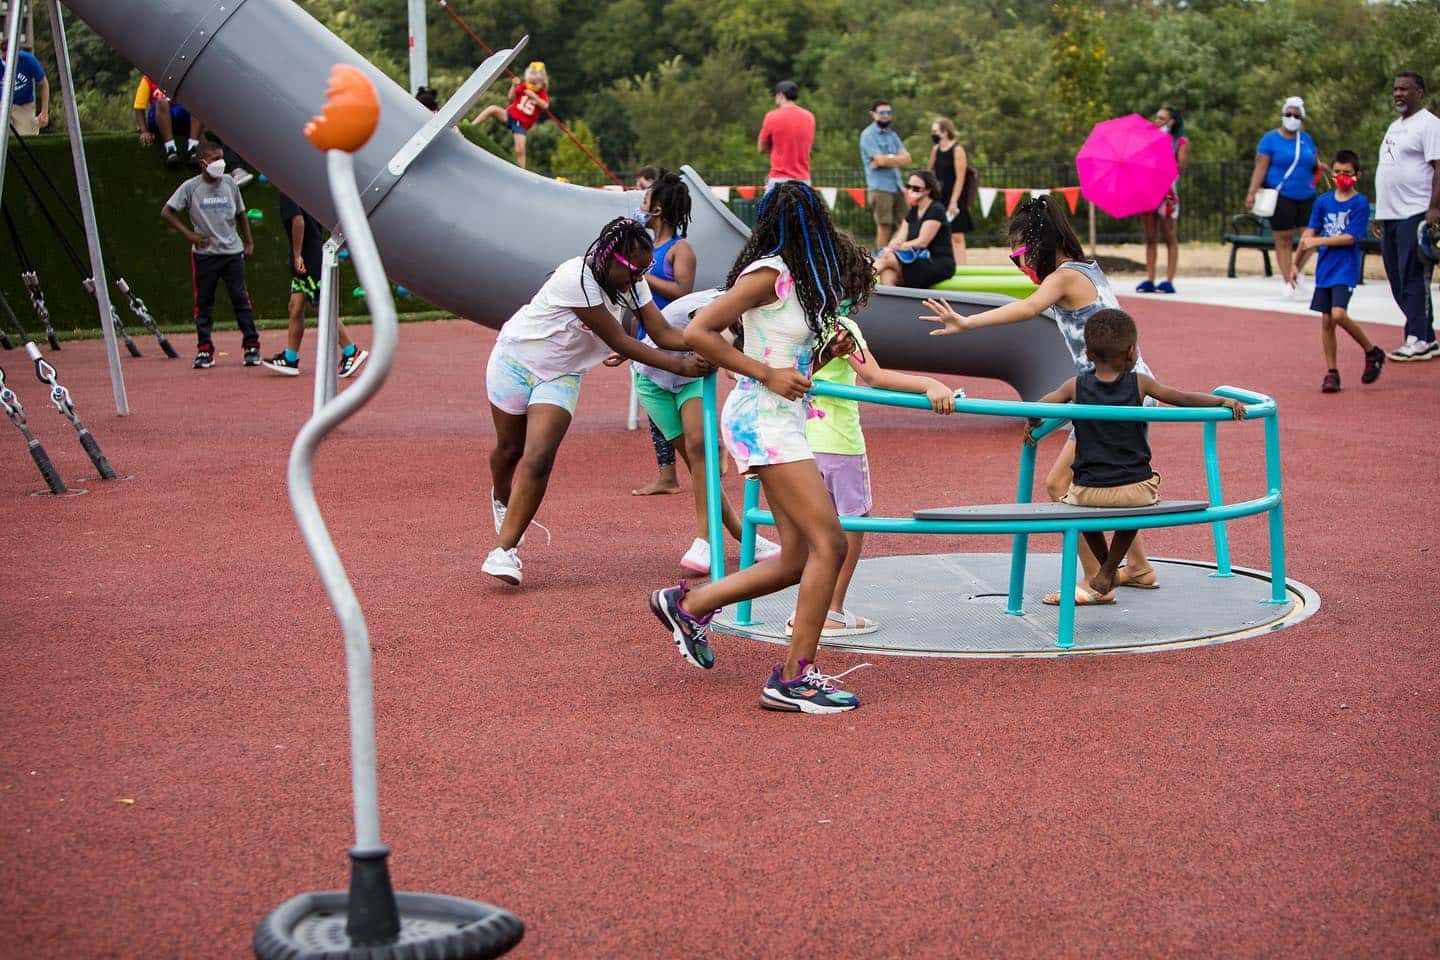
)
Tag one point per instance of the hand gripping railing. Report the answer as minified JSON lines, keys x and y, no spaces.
{"x":1052,"y":416}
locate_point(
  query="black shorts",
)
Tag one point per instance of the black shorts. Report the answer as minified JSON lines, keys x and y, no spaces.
{"x":1291,"y":214}
{"x":309,"y":282}
{"x":1326,"y":299}
{"x":926,"y":273}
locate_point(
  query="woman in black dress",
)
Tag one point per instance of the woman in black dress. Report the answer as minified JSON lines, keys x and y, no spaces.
{"x":951,"y":166}
{"x":920,"y":255}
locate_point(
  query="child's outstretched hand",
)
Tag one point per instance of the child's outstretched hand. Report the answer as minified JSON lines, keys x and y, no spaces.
{"x":1237,"y":408}
{"x":614,"y":360}
{"x":790,"y":384}
{"x":942,"y":399}
{"x":950,"y":321}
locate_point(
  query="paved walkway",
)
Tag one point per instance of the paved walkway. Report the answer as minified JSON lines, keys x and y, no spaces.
{"x":1371,"y":303}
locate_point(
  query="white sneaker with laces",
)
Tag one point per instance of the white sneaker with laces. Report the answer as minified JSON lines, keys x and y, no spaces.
{"x":697,"y":558}
{"x":1414,"y":349}
{"x":1426,"y":350}
{"x":504,"y":565}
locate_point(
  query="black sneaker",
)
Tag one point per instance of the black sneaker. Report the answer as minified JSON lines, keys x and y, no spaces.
{"x":1331,"y":383}
{"x":1374,"y":360}
{"x":348,"y":365}
{"x":172,"y":157}
{"x":691,"y":635}
{"x":204,"y":360}
{"x":811,"y":692}
{"x":252,"y":356}
{"x":278,"y":364}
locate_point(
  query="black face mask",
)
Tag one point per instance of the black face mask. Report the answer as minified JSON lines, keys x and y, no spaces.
{"x":934,"y":138}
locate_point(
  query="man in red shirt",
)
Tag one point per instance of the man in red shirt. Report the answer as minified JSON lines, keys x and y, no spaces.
{"x":787,"y":135}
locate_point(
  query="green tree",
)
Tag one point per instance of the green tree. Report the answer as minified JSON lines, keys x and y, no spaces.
{"x":1078,"y":53}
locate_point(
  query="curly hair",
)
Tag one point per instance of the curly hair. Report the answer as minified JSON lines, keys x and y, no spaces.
{"x":1040,"y":223}
{"x":670,"y":198}
{"x":833,"y":275}
{"x":627,"y":238}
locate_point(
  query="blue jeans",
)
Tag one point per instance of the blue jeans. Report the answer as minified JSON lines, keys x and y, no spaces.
{"x":1409,"y":275}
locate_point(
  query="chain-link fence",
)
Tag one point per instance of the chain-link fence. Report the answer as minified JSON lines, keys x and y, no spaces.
{"x":1210,"y":194}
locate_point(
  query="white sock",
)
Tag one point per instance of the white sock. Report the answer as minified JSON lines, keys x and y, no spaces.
{"x":169,"y":146}
{"x":193,"y":144}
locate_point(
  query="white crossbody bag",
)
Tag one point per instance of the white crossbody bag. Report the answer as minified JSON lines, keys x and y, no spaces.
{"x":1265,"y":200}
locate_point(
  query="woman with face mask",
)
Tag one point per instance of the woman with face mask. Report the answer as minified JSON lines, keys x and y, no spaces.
{"x":1287,"y":161}
{"x":958,"y":183}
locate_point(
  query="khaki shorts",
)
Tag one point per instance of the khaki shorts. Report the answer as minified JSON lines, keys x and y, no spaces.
{"x":887,"y":207}
{"x":24,"y":118}
{"x":1142,"y":493}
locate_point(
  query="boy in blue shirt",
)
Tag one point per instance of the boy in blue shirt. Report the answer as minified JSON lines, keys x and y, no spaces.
{"x":30,"y":84}
{"x":1337,"y":224}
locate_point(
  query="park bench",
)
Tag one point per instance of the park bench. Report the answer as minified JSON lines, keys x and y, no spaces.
{"x":1023,"y":518}
{"x":1250,"y":232}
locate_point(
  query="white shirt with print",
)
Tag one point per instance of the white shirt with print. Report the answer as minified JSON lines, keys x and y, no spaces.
{"x":1404,"y":176}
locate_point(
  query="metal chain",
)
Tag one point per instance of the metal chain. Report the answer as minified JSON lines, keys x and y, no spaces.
{"x":59,"y":396}
{"x":14,"y":409}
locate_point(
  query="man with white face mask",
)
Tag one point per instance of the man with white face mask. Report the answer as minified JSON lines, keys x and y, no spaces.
{"x":216,"y":251}
{"x":1407,"y":194}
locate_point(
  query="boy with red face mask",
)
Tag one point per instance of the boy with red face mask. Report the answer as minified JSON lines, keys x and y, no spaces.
{"x":1337,"y":224}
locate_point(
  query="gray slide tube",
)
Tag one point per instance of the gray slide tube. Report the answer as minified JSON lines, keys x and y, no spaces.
{"x":463,"y":229}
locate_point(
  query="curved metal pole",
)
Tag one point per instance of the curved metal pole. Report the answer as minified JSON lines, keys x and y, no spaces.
{"x":384,"y":334}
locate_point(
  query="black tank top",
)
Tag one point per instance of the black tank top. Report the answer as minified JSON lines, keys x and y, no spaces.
{"x":1110,"y":453}
{"x":945,"y":172}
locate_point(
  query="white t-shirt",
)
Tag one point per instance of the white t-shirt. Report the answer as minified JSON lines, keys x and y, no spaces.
{"x":547,"y":335}
{"x":1404,"y":176}
{"x":678,"y":314}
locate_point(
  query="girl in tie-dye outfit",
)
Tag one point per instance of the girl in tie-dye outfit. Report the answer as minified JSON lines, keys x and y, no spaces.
{"x":786,"y":289}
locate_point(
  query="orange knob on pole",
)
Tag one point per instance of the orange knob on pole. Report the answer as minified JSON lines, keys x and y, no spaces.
{"x":350,"y":114}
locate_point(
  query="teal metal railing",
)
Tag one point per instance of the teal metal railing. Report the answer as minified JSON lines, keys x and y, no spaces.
{"x":1052,"y":416}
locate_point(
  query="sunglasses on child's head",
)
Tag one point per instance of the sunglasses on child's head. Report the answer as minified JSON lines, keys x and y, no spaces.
{"x":1017,"y":257}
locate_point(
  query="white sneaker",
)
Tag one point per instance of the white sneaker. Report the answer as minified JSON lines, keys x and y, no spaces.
{"x":1415,"y":349}
{"x":504,"y":565}
{"x":1426,"y":350}
{"x":765,"y":549}
{"x":697,"y":558}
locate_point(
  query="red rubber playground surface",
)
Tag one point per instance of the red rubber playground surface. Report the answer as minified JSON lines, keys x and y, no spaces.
{"x":172,"y":709}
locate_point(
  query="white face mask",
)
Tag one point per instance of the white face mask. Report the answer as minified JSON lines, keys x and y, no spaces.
{"x":1291,"y":123}
{"x":215,"y":167}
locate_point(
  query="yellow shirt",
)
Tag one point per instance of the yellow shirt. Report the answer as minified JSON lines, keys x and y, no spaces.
{"x":145,"y":91}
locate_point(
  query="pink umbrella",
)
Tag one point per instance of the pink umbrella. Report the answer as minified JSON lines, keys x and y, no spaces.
{"x":1126,"y":166}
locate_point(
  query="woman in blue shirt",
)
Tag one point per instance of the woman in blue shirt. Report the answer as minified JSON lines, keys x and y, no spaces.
{"x":1287,"y":160}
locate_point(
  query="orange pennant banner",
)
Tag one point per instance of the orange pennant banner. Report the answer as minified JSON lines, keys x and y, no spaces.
{"x":747,"y":193}
{"x":1012,"y":200}
{"x":857,"y":194}
{"x":1071,"y":194}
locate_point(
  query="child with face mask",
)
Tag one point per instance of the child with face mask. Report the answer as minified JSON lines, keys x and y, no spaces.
{"x":1337,"y":225}
{"x":216,"y":251}
{"x":1072,"y":289}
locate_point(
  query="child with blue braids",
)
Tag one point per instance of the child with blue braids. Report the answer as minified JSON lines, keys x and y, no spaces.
{"x":786,"y":289}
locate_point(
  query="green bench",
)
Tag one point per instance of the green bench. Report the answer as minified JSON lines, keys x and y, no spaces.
{"x":1250,"y":232}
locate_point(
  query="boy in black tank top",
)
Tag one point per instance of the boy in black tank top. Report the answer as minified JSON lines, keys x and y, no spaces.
{"x":1112,"y":457}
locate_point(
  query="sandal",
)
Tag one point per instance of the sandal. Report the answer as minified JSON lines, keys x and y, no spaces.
{"x":1123,"y":579}
{"x":1084,"y":597}
{"x":852,"y":626}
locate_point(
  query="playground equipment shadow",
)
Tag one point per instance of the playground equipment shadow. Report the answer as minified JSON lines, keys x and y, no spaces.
{"x":172,"y":702}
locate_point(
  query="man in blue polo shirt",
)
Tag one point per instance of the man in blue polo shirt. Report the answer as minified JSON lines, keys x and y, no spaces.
{"x":883,"y":155}
{"x":29,"y":78}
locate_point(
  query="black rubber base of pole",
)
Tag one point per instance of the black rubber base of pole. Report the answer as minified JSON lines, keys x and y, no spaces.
{"x":374,"y":920}
{"x":54,"y":340}
{"x":169,"y":350}
{"x":97,"y":457}
{"x":47,"y":469}
{"x":432,"y":927}
{"x":134,"y":350}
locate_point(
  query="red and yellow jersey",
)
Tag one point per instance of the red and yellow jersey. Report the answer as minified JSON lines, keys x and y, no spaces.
{"x":145,"y":92}
{"x":524,"y":110}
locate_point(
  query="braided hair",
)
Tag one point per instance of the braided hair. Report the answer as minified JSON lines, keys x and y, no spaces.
{"x":833,"y":275}
{"x":1041,"y":225}
{"x":670,"y":198}
{"x":627,"y":238}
